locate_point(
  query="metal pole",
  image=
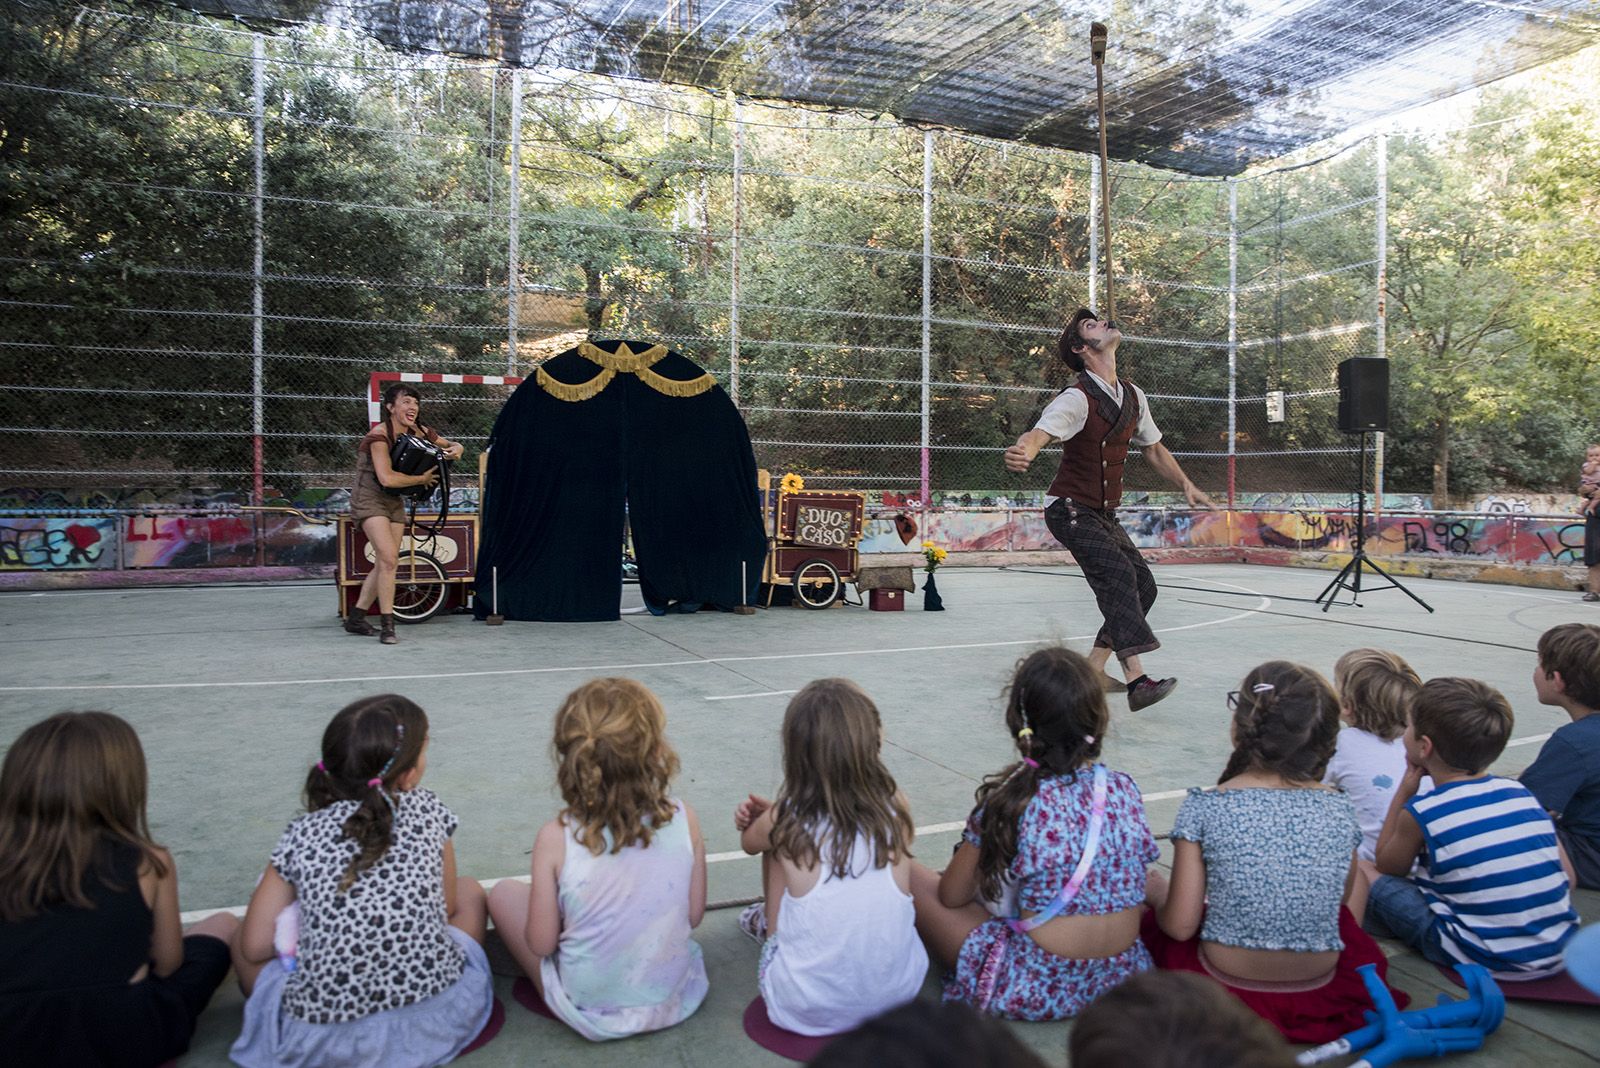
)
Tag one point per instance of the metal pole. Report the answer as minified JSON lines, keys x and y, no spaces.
{"x":258,"y":92}
{"x":1381,"y":349}
{"x":514,"y":227}
{"x":926,"y":485}
{"x":733,"y":268}
{"x":1233,"y":338}
{"x":1094,"y":230}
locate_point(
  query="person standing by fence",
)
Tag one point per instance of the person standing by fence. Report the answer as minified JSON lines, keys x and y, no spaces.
{"x":1589,"y":490}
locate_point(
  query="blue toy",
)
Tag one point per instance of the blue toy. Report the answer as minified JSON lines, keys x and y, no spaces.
{"x":1449,"y":1027}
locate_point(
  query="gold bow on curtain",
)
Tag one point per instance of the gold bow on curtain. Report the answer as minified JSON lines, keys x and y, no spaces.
{"x":625,"y":360}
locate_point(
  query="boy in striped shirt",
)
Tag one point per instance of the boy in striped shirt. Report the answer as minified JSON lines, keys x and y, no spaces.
{"x":1492,"y":885}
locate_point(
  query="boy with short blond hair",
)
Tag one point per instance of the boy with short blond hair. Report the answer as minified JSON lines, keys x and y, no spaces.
{"x":1565,"y":777}
{"x":1493,"y":885}
{"x":1376,"y":690}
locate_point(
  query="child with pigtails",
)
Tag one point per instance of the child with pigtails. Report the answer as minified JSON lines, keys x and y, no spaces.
{"x":1263,"y":862}
{"x":1037,"y":914}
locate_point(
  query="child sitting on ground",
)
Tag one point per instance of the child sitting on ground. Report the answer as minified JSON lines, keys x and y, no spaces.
{"x":390,"y":967}
{"x":1262,"y":863}
{"x":619,"y":876}
{"x":1375,"y":690}
{"x":1566,"y":775}
{"x":1038,"y":912}
{"x":1493,"y":884}
{"x":837,"y":927}
{"x":95,"y":968}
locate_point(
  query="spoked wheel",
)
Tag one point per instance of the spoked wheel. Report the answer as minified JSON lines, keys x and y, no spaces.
{"x":817,"y":584}
{"x":419,"y":587}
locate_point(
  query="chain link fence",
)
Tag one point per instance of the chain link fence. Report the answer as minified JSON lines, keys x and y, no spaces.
{"x":217,"y":237}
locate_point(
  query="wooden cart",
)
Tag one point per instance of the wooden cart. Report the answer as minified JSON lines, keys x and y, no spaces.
{"x":436,"y":572}
{"x":812,"y":539}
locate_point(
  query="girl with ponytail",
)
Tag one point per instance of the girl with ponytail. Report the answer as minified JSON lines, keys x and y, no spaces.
{"x":619,"y":876}
{"x":1038,"y":911}
{"x":1262,"y":863}
{"x":389,"y":966}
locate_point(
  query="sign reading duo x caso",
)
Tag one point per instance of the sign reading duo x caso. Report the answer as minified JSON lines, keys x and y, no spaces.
{"x":826,"y":527}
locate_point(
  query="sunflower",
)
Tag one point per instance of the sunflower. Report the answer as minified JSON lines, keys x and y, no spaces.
{"x":791,"y":483}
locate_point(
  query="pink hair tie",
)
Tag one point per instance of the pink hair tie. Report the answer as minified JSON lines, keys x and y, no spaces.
{"x":1032,"y":763}
{"x":321,"y":768}
{"x":376,"y":780}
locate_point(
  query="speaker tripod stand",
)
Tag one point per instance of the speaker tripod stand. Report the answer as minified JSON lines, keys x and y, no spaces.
{"x":1349,"y":577}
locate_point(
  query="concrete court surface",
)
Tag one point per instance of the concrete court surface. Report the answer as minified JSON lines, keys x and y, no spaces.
{"x":230,"y":688}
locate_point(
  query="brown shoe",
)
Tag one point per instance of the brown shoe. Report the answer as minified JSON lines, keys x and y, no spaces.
{"x":355,"y":622}
{"x":1111,"y":685}
{"x":386,"y":630}
{"x":1149,"y":692}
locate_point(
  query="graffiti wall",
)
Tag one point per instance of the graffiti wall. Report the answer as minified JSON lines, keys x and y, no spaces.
{"x":43,"y":544}
{"x":144,"y":530}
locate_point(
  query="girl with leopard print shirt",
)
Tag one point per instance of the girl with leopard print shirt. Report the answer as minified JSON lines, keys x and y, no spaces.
{"x":390,"y":967}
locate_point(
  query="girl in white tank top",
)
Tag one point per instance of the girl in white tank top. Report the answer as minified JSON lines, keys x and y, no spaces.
{"x":619,"y":876}
{"x":840,"y":937}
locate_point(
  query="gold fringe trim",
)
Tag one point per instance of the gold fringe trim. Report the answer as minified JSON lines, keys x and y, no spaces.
{"x":580,"y":391}
{"x":676,"y":387}
{"x":624,"y":359}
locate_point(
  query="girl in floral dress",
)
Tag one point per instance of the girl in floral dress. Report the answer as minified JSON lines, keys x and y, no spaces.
{"x":1038,"y":911}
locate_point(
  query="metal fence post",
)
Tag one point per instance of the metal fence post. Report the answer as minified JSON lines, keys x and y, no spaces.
{"x":514,"y":227}
{"x":927,"y":308}
{"x":1382,"y":324}
{"x":258,"y":94}
{"x":1233,"y":338}
{"x":733,"y":267}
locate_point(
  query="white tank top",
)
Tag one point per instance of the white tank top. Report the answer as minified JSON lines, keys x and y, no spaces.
{"x":845,"y":951}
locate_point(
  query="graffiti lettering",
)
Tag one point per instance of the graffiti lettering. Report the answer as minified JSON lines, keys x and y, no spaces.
{"x":44,"y":544}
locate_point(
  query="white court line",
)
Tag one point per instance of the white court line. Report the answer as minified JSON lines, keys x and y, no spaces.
{"x":1527,"y":741}
{"x":742,"y":696}
{"x":597,"y":668}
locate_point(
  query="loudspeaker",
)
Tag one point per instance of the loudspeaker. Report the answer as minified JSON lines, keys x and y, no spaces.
{"x":1363,"y":394}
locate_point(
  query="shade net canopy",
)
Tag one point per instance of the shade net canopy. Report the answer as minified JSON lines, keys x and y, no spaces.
{"x":1198,"y":86}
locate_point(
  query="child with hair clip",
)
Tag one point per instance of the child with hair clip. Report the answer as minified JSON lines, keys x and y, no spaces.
{"x":1263,"y":862}
{"x":837,"y":926}
{"x":1376,"y":690}
{"x":390,"y":967}
{"x":1038,"y":911}
{"x":95,"y":968}
{"x":619,"y":876}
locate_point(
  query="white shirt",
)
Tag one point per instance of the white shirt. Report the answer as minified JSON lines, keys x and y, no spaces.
{"x":1068,"y":414}
{"x":1369,"y":769}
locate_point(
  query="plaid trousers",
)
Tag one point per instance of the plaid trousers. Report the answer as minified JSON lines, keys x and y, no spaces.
{"x":1121,"y":580}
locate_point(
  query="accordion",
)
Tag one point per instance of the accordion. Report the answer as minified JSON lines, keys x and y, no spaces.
{"x":411,"y":455}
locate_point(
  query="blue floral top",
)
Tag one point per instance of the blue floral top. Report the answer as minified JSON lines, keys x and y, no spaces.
{"x":1276,"y":864}
{"x":1050,"y":841}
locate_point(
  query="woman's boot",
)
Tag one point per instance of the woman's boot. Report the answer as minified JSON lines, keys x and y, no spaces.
{"x":386,"y":630}
{"x":355,"y":622}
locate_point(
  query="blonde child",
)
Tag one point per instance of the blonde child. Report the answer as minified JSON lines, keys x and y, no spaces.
{"x":1038,"y":912}
{"x":837,"y":924}
{"x":619,"y":876}
{"x":95,"y":968}
{"x":1376,"y":690}
{"x":390,"y":968}
{"x":1262,"y":864}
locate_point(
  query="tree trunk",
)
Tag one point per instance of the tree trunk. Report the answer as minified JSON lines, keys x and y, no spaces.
{"x":1441,"y":462}
{"x":595,"y":303}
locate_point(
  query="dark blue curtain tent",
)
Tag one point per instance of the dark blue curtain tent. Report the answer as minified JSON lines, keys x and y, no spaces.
{"x":604,"y":431}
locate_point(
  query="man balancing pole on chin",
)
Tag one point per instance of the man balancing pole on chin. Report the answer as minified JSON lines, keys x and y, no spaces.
{"x":1096,"y":419}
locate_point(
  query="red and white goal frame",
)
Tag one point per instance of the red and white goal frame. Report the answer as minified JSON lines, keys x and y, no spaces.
{"x":378,"y":381}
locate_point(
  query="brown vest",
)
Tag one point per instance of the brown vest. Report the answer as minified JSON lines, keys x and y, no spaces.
{"x":1092,"y":459}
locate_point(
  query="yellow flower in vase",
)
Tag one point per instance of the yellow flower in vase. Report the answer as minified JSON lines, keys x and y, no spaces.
{"x":933,"y":555}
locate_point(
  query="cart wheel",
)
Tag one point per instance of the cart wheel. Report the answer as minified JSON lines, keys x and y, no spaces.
{"x":817,"y":584}
{"x":419,"y":587}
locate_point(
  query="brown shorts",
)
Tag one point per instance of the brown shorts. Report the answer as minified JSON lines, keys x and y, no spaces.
{"x":367,"y":500}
